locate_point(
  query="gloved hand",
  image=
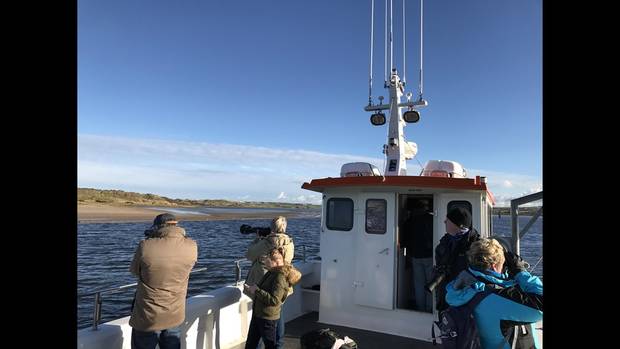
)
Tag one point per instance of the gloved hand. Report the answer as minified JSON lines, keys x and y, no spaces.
{"x":514,"y":264}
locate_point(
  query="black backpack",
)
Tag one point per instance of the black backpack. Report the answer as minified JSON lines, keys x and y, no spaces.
{"x":457,"y":325}
{"x":323,"y":339}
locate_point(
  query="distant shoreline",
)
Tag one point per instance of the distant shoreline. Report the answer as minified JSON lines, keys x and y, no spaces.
{"x":101,"y":213}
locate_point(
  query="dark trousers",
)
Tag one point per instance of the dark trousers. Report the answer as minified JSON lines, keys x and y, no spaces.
{"x":261,"y":328}
{"x":167,"y":339}
{"x":279,"y":335}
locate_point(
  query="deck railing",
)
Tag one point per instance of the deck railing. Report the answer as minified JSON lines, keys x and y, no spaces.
{"x":514,"y":215}
{"x":99,"y":293}
{"x":99,"y":300}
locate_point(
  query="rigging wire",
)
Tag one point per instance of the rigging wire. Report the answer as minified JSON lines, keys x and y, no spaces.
{"x":372,"y":21}
{"x":404,"y":51}
{"x":421,"y":46}
{"x":532,"y":268}
{"x":385,"y":46}
{"x":419,"y":163}
{"x":391,"y":37}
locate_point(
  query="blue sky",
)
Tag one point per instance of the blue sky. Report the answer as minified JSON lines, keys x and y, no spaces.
{"x":246,"y":100}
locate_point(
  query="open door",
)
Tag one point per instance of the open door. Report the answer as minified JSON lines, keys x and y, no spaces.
{"x":375,"y":259}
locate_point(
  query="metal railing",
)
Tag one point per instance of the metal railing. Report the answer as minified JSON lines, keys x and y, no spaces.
{"x":98,"y":298}
{"x":514,"y":215}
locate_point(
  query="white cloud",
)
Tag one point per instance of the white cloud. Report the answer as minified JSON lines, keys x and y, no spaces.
{"x":508,"y":186}
{"x":197,"y":170}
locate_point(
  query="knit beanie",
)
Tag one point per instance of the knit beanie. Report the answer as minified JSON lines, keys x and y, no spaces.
{"x":460,"y":217}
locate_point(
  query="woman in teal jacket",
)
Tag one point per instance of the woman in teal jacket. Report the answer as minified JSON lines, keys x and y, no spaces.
{"x":516,"y":300}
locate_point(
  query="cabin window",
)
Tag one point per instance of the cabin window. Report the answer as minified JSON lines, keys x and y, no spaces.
{"x":339,"y":214}
{"x":376,"y":216}
{"x":461,"y":203}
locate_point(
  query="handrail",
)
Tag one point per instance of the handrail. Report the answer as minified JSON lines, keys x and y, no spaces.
{"x":514,"y":215}
{"x":98,"y":299}
{"x":98,"y":293}
{"x":120,"y":288}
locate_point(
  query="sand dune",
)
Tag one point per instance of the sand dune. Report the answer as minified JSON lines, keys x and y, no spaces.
{"x":96,"y":213}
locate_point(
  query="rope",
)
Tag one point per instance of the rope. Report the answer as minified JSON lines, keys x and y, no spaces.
{"x":372,"y":21}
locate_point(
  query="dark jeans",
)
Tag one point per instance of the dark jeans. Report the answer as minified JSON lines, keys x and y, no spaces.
{"x":167,"y":339}
{"x":261,"y":328}
{"x":280,"y":333}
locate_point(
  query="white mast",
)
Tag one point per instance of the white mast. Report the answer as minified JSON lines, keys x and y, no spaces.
{"x":397,"y":150}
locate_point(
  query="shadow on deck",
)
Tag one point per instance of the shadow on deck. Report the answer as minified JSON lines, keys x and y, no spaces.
{"x":364,"y":339}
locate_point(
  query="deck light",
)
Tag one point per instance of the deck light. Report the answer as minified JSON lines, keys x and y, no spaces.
{"x":411,"y":116}
{"x":377,"y":119}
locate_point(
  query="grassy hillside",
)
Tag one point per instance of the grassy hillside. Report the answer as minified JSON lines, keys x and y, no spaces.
{"x":123,"y":198}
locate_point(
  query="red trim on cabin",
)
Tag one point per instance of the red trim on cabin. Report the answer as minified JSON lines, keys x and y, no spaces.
{"x":319,"y":185}
{"x":490,"y":195}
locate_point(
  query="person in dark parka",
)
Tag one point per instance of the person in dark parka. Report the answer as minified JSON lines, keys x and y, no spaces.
{"x":450,"y":253}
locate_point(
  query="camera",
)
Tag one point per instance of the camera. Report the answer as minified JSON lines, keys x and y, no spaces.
{"x":261,"y":231}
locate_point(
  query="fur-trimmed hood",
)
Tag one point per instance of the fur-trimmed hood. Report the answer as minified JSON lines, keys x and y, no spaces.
{"x":291,"y":274}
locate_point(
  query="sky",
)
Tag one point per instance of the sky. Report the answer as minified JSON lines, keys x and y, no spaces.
{"x":246,"y":100}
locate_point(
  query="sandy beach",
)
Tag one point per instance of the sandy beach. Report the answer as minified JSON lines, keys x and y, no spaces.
{"x":96,"y":213}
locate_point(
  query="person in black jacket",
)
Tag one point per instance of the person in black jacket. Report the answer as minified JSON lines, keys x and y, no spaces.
{"x":450,"y":253}
{"x":418,"y":239}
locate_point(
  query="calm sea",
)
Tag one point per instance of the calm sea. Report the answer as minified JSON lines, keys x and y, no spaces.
{"x":105,"y":251}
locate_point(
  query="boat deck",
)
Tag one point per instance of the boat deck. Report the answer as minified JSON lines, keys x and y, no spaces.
{"x":364,"y":339}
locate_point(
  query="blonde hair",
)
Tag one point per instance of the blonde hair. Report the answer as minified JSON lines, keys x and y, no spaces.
{"x":275,"y":254}
{"x":278,"y":225}
{"x":485,"y":253}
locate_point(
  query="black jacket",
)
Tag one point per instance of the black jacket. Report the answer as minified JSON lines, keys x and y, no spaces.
{"x":450,"y":257}
{"x":418,"y":238}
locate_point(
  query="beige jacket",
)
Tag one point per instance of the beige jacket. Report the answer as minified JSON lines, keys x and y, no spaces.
{"x":262,"y":246}
{"x":162,"y":265}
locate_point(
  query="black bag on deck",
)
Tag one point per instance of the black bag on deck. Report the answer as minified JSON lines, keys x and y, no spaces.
{"x":517,"y":334}
{"x":323,"y":338}
{"x":457,"y":325}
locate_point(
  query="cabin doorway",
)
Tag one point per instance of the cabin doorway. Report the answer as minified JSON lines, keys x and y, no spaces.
{"x":415,"y":252}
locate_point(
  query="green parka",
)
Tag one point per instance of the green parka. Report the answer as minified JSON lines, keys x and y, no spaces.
{"x":272,"y":291}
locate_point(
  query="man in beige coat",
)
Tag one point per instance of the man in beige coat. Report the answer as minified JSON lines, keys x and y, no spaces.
{"x":260,"y":248}
{"x":162,"y":263}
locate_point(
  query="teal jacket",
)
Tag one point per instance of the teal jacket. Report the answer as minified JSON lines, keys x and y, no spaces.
{"x":519,"y":299}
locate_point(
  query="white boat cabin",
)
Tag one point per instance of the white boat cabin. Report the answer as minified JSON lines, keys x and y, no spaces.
{"x":365,"y":280}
